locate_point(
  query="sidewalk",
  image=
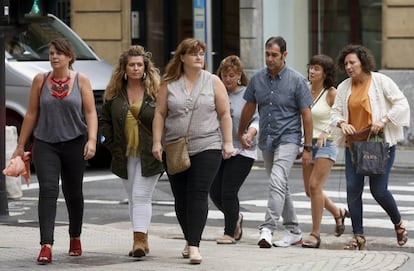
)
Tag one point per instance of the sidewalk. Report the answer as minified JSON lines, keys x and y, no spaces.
{"x":106,"y":248}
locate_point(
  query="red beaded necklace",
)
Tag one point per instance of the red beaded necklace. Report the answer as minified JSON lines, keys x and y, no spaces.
{"x":60,"y":88}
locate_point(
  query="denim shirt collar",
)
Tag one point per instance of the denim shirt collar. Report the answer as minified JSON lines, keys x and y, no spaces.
{"x":279,"y":75}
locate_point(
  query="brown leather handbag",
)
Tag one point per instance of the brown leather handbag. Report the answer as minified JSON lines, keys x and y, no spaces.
{"x":178,"y":159}
{"x":361,"y":135}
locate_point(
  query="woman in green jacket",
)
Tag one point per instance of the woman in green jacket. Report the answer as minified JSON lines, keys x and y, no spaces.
{"x":126,"y":123}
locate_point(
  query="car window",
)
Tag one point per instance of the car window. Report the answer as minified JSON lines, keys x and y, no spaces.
{"x":31,"y":42}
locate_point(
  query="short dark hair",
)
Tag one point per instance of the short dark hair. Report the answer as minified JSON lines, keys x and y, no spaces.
{"x":364,"y":55}
{"x":64,"y":46}
{"x":328,"y":66}
{"x":277,"y":40}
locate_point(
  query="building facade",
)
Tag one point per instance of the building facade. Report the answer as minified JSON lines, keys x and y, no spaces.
{"x":241,"y":27}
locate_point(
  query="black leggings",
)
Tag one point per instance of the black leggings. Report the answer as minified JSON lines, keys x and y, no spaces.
{"x":190,"y":189}
{"x":225,"y":188}
{"x":51,"y":161}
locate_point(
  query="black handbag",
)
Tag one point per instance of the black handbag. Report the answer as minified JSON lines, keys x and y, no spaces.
{"x":371,"y":157}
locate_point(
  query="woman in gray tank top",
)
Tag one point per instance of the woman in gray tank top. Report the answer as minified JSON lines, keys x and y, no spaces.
{"x":189,"y":92}
{"x":63,"y":119}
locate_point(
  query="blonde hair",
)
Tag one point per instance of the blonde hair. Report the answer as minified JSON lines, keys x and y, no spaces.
{"x":175,"y":68}
{"x":118,"y":83}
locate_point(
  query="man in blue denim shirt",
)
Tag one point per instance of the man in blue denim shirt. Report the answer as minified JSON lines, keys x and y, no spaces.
{"x":283,"y":99}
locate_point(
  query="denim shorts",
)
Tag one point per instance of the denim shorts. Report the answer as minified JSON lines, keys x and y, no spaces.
{"x":329,"y":151}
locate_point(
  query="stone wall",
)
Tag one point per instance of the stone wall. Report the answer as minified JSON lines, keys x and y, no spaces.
{"x":251,"y":35}
{"x":405,"y":80}
{"x":104,"y":25}
{"x":397,"y":34}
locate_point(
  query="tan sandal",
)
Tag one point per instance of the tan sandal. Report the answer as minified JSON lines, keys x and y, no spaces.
{"x":311,"y":243}
{"x":186,"y":252}
{"x":402,"y":234}
{"x":226,"y":240}
{"x":239,"y":228}
{"x":357,"y":243}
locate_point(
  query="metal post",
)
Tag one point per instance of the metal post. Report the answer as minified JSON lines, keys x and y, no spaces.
{"x":209,"y":36}
{"x":4,"y":209}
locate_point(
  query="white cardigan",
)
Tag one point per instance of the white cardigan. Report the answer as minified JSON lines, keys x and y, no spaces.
{"x":386,"y":99}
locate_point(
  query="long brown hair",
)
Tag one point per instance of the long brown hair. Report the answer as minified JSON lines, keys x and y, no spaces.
{"x":175,"y":68}
{"x":118,"y":83}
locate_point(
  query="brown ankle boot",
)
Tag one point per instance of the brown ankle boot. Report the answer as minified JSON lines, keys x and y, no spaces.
{"x":139,"y":247}
{"x":146,"y":246}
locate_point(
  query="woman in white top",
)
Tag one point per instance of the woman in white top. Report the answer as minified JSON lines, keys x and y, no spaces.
{"x":321,"y":74}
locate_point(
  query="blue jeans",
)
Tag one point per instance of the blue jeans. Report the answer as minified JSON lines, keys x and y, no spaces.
{"x":378,"y":185}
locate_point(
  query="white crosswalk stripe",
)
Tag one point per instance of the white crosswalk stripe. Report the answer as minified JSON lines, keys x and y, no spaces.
{"x":303,"y":207}
{"x":302,"y":204}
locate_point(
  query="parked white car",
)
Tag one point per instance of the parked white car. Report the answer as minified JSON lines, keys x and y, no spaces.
{"x":27,"y":53}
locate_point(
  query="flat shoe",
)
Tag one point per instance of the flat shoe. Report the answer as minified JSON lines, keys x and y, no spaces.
{"x":226,"y":240}
{"x":195,"y":257}
{"x":185,"y":253}
{"x":239,"y":228}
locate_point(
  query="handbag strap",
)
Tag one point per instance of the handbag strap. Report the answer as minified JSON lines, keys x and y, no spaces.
{"x":140,"y":123}
{"x":192,"y":111}
{"x":319,"y":96}
{"x":136,"y":117}
{"x":376,"y":138}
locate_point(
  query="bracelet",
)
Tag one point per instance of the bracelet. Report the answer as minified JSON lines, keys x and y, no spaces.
{"x":326,"y":131}
{"x":384,"y":121}
{"x":340,"y":123}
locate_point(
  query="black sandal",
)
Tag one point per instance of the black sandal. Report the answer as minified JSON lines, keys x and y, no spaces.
{"x":339,"y":229}
{"x":402,"y":234}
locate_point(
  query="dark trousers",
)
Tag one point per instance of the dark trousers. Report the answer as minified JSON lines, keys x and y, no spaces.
{"x":51,"y":161}
{"x":190,"y":189}
{"x":225,"y":188}
{"x":378,"y":185}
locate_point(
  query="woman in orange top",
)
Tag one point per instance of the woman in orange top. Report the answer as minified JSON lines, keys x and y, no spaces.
{"x":369,"y":99}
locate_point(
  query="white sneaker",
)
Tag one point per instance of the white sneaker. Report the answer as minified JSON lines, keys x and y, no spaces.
{"x":289,"y":239}
{"x":265,"y":240}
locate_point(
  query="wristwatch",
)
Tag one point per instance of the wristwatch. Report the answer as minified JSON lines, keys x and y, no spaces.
{"x":384,"y":120}
{"x":307,"y":148}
